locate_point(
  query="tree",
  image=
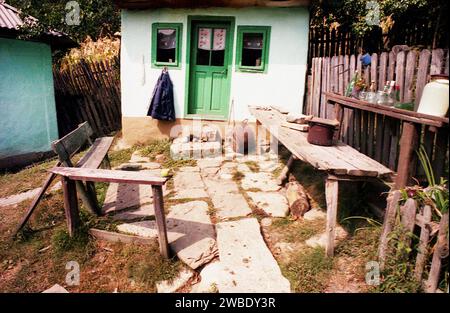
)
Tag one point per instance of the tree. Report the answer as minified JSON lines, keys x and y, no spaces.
{"x":365,"y":17}
{"x":97,"y":18}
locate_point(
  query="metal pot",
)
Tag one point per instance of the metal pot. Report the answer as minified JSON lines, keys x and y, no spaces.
{"x":320,"y":134}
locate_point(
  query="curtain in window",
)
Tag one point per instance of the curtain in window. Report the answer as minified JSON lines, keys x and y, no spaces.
{"x":253,"y":41}
{"x":167,"y":38}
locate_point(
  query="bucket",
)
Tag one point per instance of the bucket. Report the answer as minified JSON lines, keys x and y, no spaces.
{"x":320,"y":134}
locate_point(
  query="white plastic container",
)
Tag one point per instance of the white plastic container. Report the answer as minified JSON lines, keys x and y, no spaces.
{"x":434,"y":99}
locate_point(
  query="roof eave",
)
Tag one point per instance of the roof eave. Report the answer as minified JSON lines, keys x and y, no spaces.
{"x":156,"y":4}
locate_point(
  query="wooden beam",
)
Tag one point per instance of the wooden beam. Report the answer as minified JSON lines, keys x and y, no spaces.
{"x":331,"y":194}
{"x":36,"y":200}
{"x":70,"y":205}
{"x":286,"y":169}
{"x":160,"y":221}
{"x":110,"y":176}
{"x":156,"y":4}
{"x":408,"y":143}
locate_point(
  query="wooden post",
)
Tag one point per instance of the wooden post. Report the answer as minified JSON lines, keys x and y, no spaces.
{"x":408,"y":143}
{"x":331,"y":193}
{"x":158,"y":204}
{"x":70,"y":204}
{"x":389,"y":219}
{"x":423,"y":244}
{"x":440,"y":252}
{"x":36,"y":200}
{"x":286,"y":169}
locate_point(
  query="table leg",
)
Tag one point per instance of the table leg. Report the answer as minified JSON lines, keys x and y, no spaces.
{"x":331,"y":194}
{"x":70,"y":205}
{"x":158,"y":204}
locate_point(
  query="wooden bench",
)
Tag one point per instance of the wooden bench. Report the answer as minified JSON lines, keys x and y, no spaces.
{"x":97,"y":155}
{"x":340,"y":162}
{"x":70,"y":176}
{"x":65,"y":148}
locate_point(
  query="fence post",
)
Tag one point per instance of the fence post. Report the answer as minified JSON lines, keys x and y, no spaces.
{"x":408,"y":143}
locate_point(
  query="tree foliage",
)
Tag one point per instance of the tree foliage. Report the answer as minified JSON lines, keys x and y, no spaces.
{"x":98,"y":18}
{"x":352,"y":14}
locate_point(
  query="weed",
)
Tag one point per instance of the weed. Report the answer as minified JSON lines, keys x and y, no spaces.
{"x":300,"y":230}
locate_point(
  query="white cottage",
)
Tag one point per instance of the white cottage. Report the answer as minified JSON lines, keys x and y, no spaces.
{"x":222,"y":56}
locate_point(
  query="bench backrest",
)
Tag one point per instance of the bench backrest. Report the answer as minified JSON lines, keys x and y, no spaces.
{"x":72,"y":142}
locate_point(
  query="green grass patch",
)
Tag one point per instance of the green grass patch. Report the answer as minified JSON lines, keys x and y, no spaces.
{"x":308,"y":270}
{"x":299,"y":230}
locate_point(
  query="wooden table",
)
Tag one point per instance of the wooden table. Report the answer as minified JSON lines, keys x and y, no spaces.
{"x":340,"y":162}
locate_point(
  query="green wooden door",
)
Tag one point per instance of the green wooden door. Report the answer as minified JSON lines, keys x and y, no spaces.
{"x":209,"y":82}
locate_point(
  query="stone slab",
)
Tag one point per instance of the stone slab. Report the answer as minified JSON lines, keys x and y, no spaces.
{"x":190,"y":232}
{"x":321,"y":239}
{"x":230,"y":205}
{"x":146,"y":210}
{"x":209,"y":162}
{"x":189,"y":169}
{"x":273,"y":203}
{"x":245,"y":256}
{"x":262,"y":181}
{"x":136,"y":157}
{"x":56,"y":289}
{"x":212,"y":278}
{"x":187,"y":180}
{"x":314,"y":214}
{"x":194,"y":193}
{"x":220,"y":187}
{"x":171,"y":286}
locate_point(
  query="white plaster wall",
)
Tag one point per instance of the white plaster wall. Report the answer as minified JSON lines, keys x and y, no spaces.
{"x":282,"y":85}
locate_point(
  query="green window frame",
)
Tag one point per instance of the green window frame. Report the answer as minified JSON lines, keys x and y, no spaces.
{"x":265,"y":31}
{"x":178,"y":27}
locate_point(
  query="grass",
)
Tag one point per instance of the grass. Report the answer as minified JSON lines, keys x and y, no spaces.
{"x":238,"y":176}
{"x":299,"y":230}
{"x":308,"y":270}
{"x":162,"y":147}
{"x":253,"y":166}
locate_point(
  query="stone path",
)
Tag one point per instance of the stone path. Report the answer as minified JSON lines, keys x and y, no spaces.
{"x":229,"y":256}
{"x":245,"y":256}
{"x":30,"y":194}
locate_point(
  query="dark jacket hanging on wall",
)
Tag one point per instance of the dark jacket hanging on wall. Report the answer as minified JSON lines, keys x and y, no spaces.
{"x":162,"y":104}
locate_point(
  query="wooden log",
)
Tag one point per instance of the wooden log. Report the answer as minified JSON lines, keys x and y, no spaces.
{"x":297,"y":199}
{"x":158,"y":205}
{"x":408,"y":143}
{"x":440,"y":252}
{"x":389,"y":220}
{"x":70,"y":205}
{"x":408,"y":220}
{"x":36,"y":201}
{"x":422,"y":253}
{"x":286,"y":169}
{"x":331,"y":194}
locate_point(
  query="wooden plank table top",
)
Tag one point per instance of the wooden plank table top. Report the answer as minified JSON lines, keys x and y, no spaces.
{"x":340,"y":159}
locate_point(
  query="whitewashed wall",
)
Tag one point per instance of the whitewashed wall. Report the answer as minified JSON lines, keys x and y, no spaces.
{"x":282,"y":85}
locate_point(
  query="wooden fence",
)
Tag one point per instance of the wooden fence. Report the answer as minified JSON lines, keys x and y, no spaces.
{"x":88,"y":91}
{"x":411,"y":218}
{"x":374,"y":131}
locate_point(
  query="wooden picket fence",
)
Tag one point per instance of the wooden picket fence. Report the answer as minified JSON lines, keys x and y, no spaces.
{"x":412,"y":217}
{"x":89,"y":91}
{"x":378,"y":132}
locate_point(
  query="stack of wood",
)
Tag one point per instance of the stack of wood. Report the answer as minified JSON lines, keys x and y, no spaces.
{"x":297,"y":122}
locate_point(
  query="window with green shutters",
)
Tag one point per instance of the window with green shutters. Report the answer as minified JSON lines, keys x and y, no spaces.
{"x":252,"y":53}
{"x":166,"y":44}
